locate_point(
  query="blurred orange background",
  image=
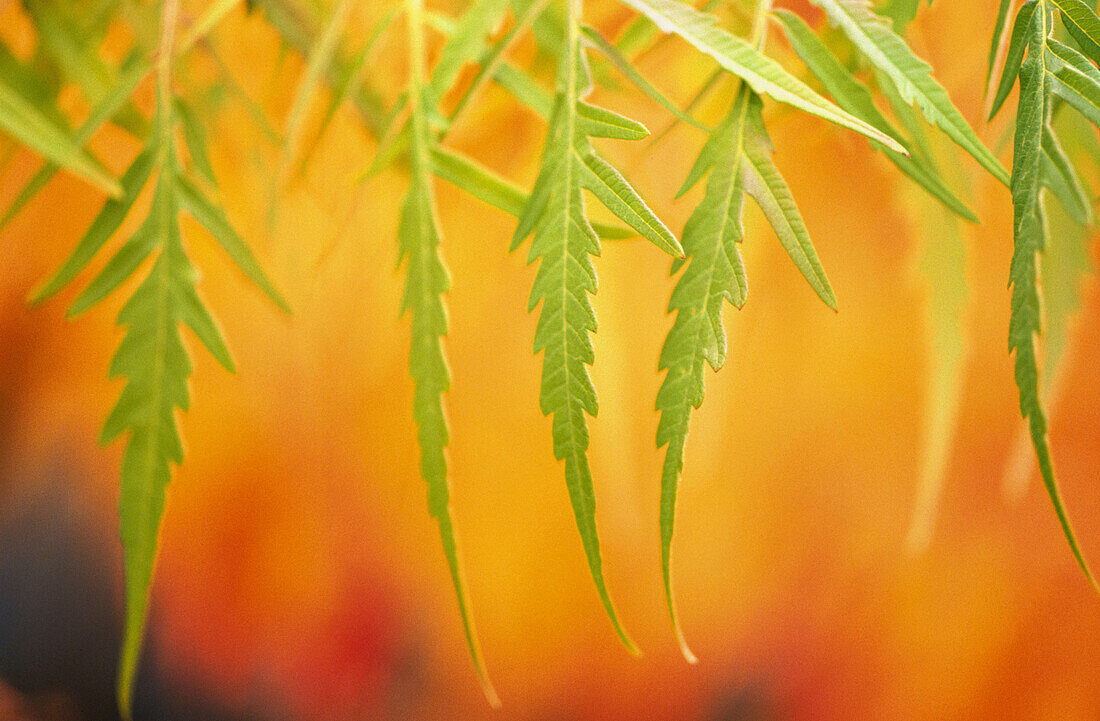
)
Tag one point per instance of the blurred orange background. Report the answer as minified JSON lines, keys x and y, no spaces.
{"x":300,"y":573}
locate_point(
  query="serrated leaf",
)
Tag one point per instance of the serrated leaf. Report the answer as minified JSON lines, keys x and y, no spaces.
{"x":765,"y":184}
{"x":714,"y":272}
{"x":1028,"y":234}
{"x":872,"y":35}
{"x":563,"y":243}
{"x":426,"y":283}
{"x":26,"y":124}
{"x":1081,"y":22}
{"x":764,"y":75}
{"x":853,"y":96}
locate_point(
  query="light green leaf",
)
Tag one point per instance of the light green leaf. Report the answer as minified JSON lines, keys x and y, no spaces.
{"x":885,"y":50}
{"x":214,"y":220}
{"x":103,"y":227}
{"x":426,"y":282}
{"x":564,"y":241}
{"x":995,"y":42}
{"x":597,"y":122}
{"x":764,"y":183}
{"x":22,"y":121}
{"x":853,"y":96}
{"x":625,"y":67}
{"x":608,"y":184}
{"x":133,"y":70}
{"x":1028,"y":236}
{"x":465,"y":44}
{"x":764,"y":75}
{"x":714,"y":272}
{"x":488,"y":187}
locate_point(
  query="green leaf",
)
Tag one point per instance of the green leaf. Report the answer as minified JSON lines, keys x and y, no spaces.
{"x":714,"y":272}
{"x":597,"y":122}
{"x":853,"y":96}
{"x":1015,"y":55}
{"x":764,"y":183}
{"x":1074,"y":79}
{"x":320,"y":60}
{"x":608,"y":184}
{"x":1028,"y":236}
{"x":214,"y":220}
{"x":103,"y":227}
{"x":1081,"y":22}
{"x":426,"y":282}
{"x":465,"y":44}
{"x":1060,"y":176}
{"x":563,"y":243}
{"x":885,"y":50}
{"x":488,"y":187}
{"x":995,"y":41}
{"x":133,"y":70}
{"x":764,"y":75}
{"x":27,"y":125}
{"x":625,"y":67}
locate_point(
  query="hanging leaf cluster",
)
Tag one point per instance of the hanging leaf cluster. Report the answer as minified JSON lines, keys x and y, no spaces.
{"x":857,"y":73}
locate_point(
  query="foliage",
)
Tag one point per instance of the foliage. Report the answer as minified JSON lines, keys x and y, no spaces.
{"x":865,"y":68}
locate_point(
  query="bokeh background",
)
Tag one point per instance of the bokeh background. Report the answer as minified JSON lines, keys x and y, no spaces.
{"x":300,"y":576}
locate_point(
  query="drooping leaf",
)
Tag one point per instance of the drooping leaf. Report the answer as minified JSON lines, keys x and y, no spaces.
{"x":466,"y":43}
{"x":1028,"y":236}
{"x":563,"y":243}
{"x":1060,"y":176}
{"x":713,"y":272}
{"x":426,"y":282}
{"x":26,"y":124}
{"x":996,"y":42}
{"x":872,"y":35}
{"x":764,"y":75}
{"x":764,"y":183}
{"x":853,"y":96}
{"x":1017,"y":44}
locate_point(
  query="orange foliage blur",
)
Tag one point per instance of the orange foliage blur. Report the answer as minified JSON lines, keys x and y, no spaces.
{"x":298,"y":565}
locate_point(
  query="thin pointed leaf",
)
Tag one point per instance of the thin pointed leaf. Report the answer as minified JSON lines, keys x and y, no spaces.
{"x":1017,"y":44}
{"x":995,"y":42}
{"x":608,"y":184}
{"x":214,"y":220}
{"x":465,"y":44}
{"x":1060,"y":175}
{"x":854,"y":97}
{"x":24,"y":123}
{"x":628,"y":70}
{"x":426,"y":283}
{"x":764,"y":183}
{"x":563,"y":243}
{"x":1074,"y":79}
{"x":764,"y":75}
{"x":872,"y":35}
{"x":1081,"y":22}
{"x":714,"y":273}
{"x":597,"y":122}
{"x":1028,"y":232}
